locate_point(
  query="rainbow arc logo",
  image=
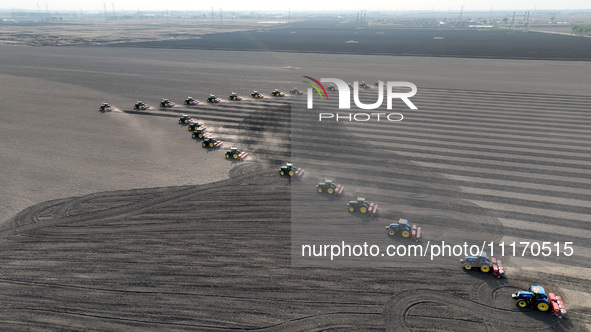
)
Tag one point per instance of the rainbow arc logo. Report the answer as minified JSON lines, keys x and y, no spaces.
{"x":316,"y":86}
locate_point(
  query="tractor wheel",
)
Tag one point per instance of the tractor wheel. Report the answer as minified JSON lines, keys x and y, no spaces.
{"x":391,"y":232}
{"x":542,"y":306}
{"x":521,"y":303}
{"x":319,"y":189}
{"x":282,"y":172}
{"x":351,"y":209}
{"x":291,"y":173}
{"x":363,"y":209}
{"x":330,"y":191}
{"x":405,"y":233}
{"x":200,"y":135}
{"x":227,"y":156}
{"x":485,"y":268}
{"x":235,"y":156}
{"x":204,"y":144}
{"x":186,"y":121}
{"x":180,"y":121}
{"x":467,"y":266}
{"x":211,"y":145}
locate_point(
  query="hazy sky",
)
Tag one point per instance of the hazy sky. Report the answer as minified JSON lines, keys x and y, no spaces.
{"x":297,"y":5}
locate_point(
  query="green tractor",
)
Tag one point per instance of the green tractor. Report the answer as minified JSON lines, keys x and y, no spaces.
{"x":235,"y":153}
{"x":330,"y":188}
{"x":191,"y":101}
{"x":290,"y":170}
{"x":200,"y":133}
{"x":361,"y":206}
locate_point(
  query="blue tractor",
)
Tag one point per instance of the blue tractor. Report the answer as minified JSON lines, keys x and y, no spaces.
{"x":536,"y":297}
{"x":484,"y":263}
{"x":403,"y":229}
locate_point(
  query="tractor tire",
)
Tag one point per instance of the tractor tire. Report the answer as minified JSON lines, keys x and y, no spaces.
{"x":235,"y":156}
{"x":211,"y":145}
{"x":351,"y":209}
{"x":200,"y":135}
{"x":180,"y":121}
{"x":193,"y":135}
{"x":405,"y":233}
{"x":391,"y":233}
{"x":521,"y":303}
{"x":543,"y":306}
{"x":467,"y":267}
{"x":485,"y":268}
{"x":291,"y":173}
{"x":319,"y":190}
{"x":330,"y":191}
{"x":363,"y":209}
{"x":227,"y":156}
{"x":281,"y":172}
{"x":204,"y":144}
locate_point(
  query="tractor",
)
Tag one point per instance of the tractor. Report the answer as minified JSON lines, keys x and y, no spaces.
{"x":296,"y":91}
{"x":234,"y":96}
{"x":165,"y":103}
{"x":484,"y":264}
{"x":140,"y":105}
{"x":361,"y":206}
{"x":105,"y":107}
{"x":200,"y":133}
{"x":290,"y":170}
{"x":186,"y":119}
{"x":194,"y":125}
{"x":256,"y":95}
{"x":236,"y":154}
{"x":332,"y":88}
{"x":191,"y":101}
{"x":213,"y":99}
{"x":535,"y":297}
{"x":212,"y":143}
{"x":277,"y":93}
{"x":364,"y":85}
{"x":403,"y":229}
{"x":330,"y":188}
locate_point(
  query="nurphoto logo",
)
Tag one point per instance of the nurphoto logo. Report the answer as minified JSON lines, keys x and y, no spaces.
{"x":344,"y":94}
